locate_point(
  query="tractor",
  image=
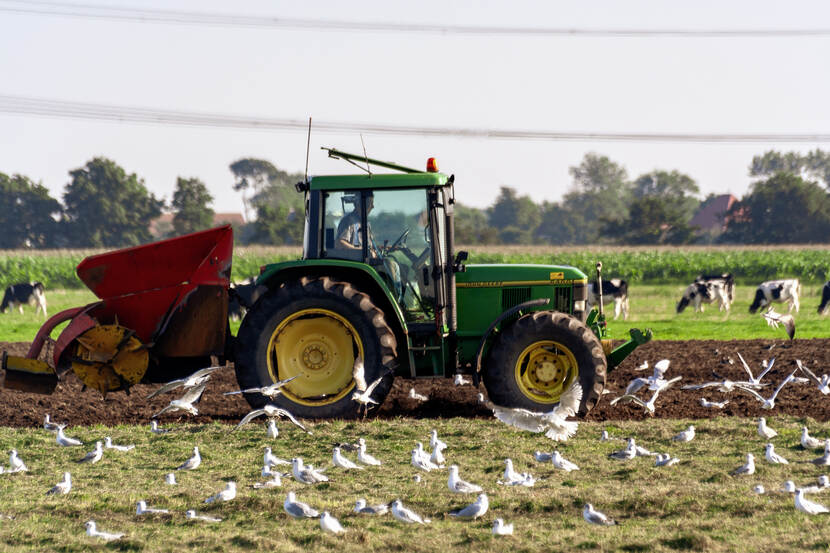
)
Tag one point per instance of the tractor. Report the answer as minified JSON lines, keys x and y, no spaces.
{"x":380,"y":282}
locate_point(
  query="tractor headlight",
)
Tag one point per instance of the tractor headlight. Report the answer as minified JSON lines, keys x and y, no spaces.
{"x":579,"y":305}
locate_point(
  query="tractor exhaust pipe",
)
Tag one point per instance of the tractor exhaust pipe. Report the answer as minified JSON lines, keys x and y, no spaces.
{"x":599,"y":287}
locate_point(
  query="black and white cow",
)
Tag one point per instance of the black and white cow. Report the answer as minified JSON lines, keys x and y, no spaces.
{"x":613,"y":289}
{"x":25,"y":293}
{"x":825,"y":297}
{"x":707,"y":289}
{"x":777,"y":291}
{"x":241,"y":297}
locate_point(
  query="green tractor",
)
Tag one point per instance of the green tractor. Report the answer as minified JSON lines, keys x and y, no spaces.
{"x":380,"y":279}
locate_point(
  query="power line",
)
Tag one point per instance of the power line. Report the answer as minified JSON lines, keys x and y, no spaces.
{"x":23,"y":105}
{"x":93,"y":11}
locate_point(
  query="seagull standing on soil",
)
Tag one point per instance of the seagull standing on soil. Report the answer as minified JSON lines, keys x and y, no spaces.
{"x":457,"y":485}
{"x":459,"y":380}
{"x":227,"y":494}
{"x":109,"y":445}
{"x":686,"y":436}
{"x":63,"y":486}
{"x":93,"y":456}
{"x":807,"y":441}
{"x":474,"y":510}
{"x":595,"y":517}
{"x":746,"y":468}
{"x":806,"y":506}
{"x":823,"y":383}
{"x":185,"y":403}
{"x":562,"y":463}
{"x":502,"y":529}
{"x":191,"y":515}
{"x":416,"y":396}
{"x":362,"y":508}
{"x":406,"y":515}
{"x":330,"y":524}
{"x":65,"y":441}
{"x":16,"y":464}
{"x":765,"y":431}
{"x":141,"y":508}
{"x":195,"y":380}
{"x":92,"y":530}
{"x":772,"y":457}
{"x":193,"y":462}
{"x":298,"y":509}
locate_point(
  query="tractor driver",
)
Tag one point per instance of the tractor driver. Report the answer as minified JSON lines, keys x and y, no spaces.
{"x":348,"y":230}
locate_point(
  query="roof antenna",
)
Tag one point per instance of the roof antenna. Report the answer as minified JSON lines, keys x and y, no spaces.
{"x":366,"y":156}
{"x":307,"y":148}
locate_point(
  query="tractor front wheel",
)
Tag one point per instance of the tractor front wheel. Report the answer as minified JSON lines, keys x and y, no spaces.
{"x":538,"y":357}
{"x":314,"y":329}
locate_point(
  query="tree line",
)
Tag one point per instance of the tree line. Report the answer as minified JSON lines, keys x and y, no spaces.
{"x":104,"y":206}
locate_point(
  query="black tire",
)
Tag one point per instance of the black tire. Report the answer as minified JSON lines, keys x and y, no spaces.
{"x":355,"y":307}
{"x":501,"y":374}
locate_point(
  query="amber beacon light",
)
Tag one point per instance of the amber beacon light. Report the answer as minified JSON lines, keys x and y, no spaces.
{"x":432,"y":165}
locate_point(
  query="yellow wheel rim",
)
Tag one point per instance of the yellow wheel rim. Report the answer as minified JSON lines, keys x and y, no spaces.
{"x":544,"y":370}
{"x":319,"y":347}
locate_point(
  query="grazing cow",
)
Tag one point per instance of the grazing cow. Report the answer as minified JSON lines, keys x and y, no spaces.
{"x":708,"y":288}
{"x":242,"y":297}
{"x":777,"y":291}
{"x":18,"y":295}
{"x":825,"y":297}
{"x":612,"y":289}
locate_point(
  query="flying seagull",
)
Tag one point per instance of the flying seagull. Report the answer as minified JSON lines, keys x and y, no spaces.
{"x":769,"y":403}
{"x":364,"y":397}
{"x":272,"y":412}
{"x":774,"y":319}
{"x":193,"y":381}
{"x":269,"y":391}
{"x":553,"y":423}
{"x":595,"y":517}
{"x":752,"y":378}
{"x":823,"y":383}
{"x":185,"y":403}
{"x":713,"y":404}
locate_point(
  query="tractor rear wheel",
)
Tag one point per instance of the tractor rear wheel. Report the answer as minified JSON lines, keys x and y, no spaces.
{"x":314,"y":329}
{"x":537,"y":358}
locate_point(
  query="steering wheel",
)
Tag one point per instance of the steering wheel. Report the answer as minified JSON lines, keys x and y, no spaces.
{"x":401,"y":240}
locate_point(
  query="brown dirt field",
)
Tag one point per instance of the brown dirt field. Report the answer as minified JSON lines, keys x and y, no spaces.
{"x":694,"y":360}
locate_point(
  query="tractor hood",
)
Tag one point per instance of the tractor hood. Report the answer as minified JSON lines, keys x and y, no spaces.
{"x":492,"y":275}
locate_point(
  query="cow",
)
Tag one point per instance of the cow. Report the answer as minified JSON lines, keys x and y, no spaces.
{"x":825,"y":298}
{"x":777,"y":291}
{"x":25,"y":293}
{"x":242,"y":297}
{"x":707,"y":289}
{"x":612,"y":289}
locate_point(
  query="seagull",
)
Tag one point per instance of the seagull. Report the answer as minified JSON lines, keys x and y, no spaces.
{"x":109,"y":445}
{"x":93,"y":456}
{"x":170,"y":479}
{"x":513,"y":478}
{"x":774,"y":319}
{"x":16,"y":464}
{"x":195,"y":380}
{"x":437,"y":457}
{"x":543,"y":457}
{"x":63,"y":486}
{"x":63,"y":440}
{"x":648,"y":406}
{"x":807,"y":441}
{"x":660,"y":368}
{"x":626,"y":454}
{"x":759,"y":489}
{"x":459,"y":380}
{"x":769,"y":403}
{"x":752,"y":379}
{"x":156,"y":429}
{"x":553,"y":423}
{"x":306,"y":475}
{"x":364,"y":397}
{"x":642,"y":367}
{"x":271,"y":411}
{"x":271,"y":460}
{"x":269,"y":391}
{"x":271,"y":429}
{"x":359,"y":374}
{"x":458,"y":485}
{"x":193,"y":462}
{"x":416,"y":478}
{"x":406,"y":515}
{"x":807,"y":506}
{"x":595,"y":517}
{"x":713,"y":404}
{"x":298,"y":509}
{"x":227,"y":494}
{"x":724,"y":385}
{"x":643,"y":452}
{"x":665,"y":460}
{"x":823,"y":482}
{"x":49,"y":425}
{"x":330,"y":524}
{"x":502,"y":529}
{"x":421,"y":461}
{"x":473,"y":510}
{"x":772,"y":457}
{"x":415,"y":395}
{"x":185,"y":403}
{"x":362,"y":508}
{"x":274,"y":482}
{"x":686,"y":436}
{"x":746,"y":468}
{"x":340,"y":461}
{"x":92,"y":530}
{"x":434,"y":441}
{"x":363,"y":457}
{"x":824,"y":460}
{"x":765,"y":431}
{"x":191,"y":514}
{"x":141,"y":508}
{"x":562,"y":463}
{"x":823,"y":383}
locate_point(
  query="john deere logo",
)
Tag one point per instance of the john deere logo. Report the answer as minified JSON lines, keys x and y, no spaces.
{"x":557,"y":276}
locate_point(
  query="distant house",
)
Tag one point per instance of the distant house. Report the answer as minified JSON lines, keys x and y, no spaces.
{"x":711,"y":217}
{"x":162,"y":226}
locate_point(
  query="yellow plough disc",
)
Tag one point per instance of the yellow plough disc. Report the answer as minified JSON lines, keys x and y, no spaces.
{"x":109,"y":358}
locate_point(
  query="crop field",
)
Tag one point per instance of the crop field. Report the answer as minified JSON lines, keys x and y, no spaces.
{"x":694,"y":505}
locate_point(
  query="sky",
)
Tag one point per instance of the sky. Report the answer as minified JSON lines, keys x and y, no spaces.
{"x":769,"y":85}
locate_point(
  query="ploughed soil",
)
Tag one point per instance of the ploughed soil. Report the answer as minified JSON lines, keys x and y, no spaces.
{"x":695,"y":360}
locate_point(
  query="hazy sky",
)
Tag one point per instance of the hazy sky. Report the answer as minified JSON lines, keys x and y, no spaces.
{"x":656,"y":84}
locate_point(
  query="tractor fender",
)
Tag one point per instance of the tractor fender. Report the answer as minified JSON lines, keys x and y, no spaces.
{"x":492,"y":328}
{"x":364,"y":276}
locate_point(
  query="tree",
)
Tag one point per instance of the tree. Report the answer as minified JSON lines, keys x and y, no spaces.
{"x":516,"y":217}
{"x":106,"y":207}
{"x":471,"y":226}
{"x":190,"y":204}
{"x":28,"y":214}
{"x":560,"y":225}
{"x":813,"y":165}
{"x":252,"y":174}
{"x":780,"y":210}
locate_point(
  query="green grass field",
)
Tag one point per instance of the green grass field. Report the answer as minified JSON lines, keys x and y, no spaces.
{"x":694,"y":505}
{"x":651,"y":306}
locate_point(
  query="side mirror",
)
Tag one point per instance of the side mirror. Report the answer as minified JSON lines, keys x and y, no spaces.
{"x":458,"y":265}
